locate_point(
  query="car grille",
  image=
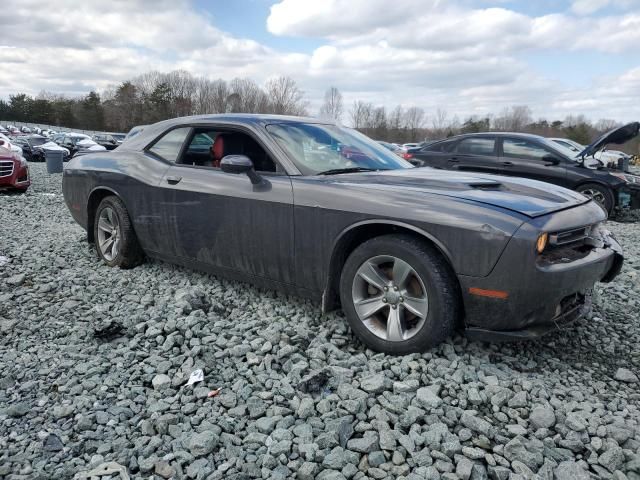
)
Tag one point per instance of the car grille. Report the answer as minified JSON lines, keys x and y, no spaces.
{"x":6,"y":168}
{"x":567,"y":246}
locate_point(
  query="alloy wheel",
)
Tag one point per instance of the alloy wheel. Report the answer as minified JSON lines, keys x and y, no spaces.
{"x":595,"y":195}
{"x":390,"y":298}
{"x":109,"y":234}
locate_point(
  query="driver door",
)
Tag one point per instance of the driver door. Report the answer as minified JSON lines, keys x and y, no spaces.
{"x":223,"y":221}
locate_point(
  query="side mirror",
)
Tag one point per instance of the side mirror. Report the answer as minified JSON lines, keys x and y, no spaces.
{"x":240,"y":164}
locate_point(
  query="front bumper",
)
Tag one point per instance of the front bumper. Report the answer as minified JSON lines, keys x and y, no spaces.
{"x":19,"y":178}
{"x":542,"y":292}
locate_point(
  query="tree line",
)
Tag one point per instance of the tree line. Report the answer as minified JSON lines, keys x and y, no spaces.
{"x":155,"y":96}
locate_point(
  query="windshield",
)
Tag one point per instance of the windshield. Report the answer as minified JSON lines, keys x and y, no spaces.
{"x":560,"y":148}
{"x":317,"y":148}
{"x":118,"y":136}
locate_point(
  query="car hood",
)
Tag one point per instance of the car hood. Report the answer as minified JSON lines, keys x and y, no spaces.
{"x":528,"y":197}
{"x":617,"y":135}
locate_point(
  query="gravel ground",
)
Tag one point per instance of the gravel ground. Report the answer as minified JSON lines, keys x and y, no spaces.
{"x":94,"y":361}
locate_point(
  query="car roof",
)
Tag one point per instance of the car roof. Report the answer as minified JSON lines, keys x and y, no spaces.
{"x":150,"y":132}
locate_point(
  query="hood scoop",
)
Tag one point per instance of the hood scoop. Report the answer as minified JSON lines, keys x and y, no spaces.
{"x":493,"y":186}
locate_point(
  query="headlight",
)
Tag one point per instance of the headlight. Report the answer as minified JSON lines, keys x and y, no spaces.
{"x":625,"y":177}
{"x":541,"y":244}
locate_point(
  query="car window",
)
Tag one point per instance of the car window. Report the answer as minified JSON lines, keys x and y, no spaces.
{"x":476,"y":146}
{"x":440,"y":146}
{"x":201,"y":151}
{"x":520,"y":148}
{"x":169,"y":146}
{"x":316,"y":148}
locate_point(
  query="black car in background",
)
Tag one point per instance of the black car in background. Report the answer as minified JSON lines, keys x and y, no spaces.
{"x":109,"y":140}
{"x":538,"y":158}
{"x":28,"y":143}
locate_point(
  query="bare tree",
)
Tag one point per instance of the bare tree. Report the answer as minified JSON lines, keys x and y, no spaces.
{"x":285,"y":98}
{"x":513,"y":119}
{"x":440,"y":122}
{"x":413,"y":121}
{"x":360,"y":113}
{"x":332,"y":107}
{"x":246,"y":96}
{"x":605,"y":124}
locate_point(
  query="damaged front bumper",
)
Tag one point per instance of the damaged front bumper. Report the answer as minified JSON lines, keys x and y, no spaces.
{"x":544,"y":292}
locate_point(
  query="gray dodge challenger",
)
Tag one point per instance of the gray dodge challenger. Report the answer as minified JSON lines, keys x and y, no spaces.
{"x":321,"y":211}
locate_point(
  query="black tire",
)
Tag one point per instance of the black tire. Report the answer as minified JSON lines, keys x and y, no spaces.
{"x":129,"y":253}
{"x":601,"y":194}
{"x":442,"y":291}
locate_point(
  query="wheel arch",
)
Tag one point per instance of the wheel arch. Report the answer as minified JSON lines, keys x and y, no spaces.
{"x":353,"y":236}
{"x":95,"y":197}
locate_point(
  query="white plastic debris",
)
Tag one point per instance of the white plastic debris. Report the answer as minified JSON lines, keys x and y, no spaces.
{"x":3,"y":260}
{"x":196,"y":376}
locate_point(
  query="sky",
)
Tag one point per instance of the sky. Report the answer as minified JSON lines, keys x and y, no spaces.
{"x":466,"y":57}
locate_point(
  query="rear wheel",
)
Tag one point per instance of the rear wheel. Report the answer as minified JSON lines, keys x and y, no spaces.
{"x":600,"y":194}
{"x":116,"y":242}
{"x":399,"y":294}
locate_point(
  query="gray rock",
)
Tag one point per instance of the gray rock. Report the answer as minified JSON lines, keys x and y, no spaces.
{"x":626,"y":375}
{"x":570,"y":470}
{"x":161,"y":381}
{"x":376,"y":458}
{"x":374,"y":383}
{"x":53,"y":443}
{"x":203,"y":443}
{"x":306,"y":408}
{"x":307,"y":471}
{"x":16,"y":280}
{"x":472,"y":421}
{"x":542,"y":417}
{"x":368,"y":442}
{"x":464,"y":468}
{"x":427,"y":398}
{"x":17,"y":410}
{"x":612,"y":459}
{"x":164,"y":469}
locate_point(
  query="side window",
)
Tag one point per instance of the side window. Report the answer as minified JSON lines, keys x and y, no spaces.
{"x":169,"y":146}
{"x":440,"y":147}
{"x":476,"y":146}
{"x":517,"y":148}
{"x":208,"y":147}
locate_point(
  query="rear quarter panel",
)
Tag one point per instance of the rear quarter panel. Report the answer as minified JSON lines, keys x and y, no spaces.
{"x":130,"y":175}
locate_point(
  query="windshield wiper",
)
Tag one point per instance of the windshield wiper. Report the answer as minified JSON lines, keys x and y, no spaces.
{"x":336,"y":171}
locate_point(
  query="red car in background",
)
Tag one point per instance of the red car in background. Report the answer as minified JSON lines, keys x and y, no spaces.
{"x":14,"y":171}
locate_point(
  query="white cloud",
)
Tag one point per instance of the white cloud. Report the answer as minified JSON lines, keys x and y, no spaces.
{"x":588,"y":7}
{"x":466,"y":57}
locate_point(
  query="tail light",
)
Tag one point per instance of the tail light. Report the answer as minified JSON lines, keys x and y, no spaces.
{"x":407,"y":155}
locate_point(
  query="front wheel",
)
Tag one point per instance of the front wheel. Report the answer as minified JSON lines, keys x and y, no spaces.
{"x":399,"y":294}
{"x":598,"y":193}
{"x":116,"y":242}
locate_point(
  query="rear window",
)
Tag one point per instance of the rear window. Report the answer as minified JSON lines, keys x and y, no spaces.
{"x":476,"y":146}
{"x":169,"y":146}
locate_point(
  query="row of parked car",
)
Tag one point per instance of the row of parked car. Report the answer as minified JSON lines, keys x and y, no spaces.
{"x":592,"y":170}
{"x":19,"y":145}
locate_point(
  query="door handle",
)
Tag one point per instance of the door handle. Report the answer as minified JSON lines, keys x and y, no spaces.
{"x":173,"y":180}
{"x":507,"y":164}
{"x":454,"y":159}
